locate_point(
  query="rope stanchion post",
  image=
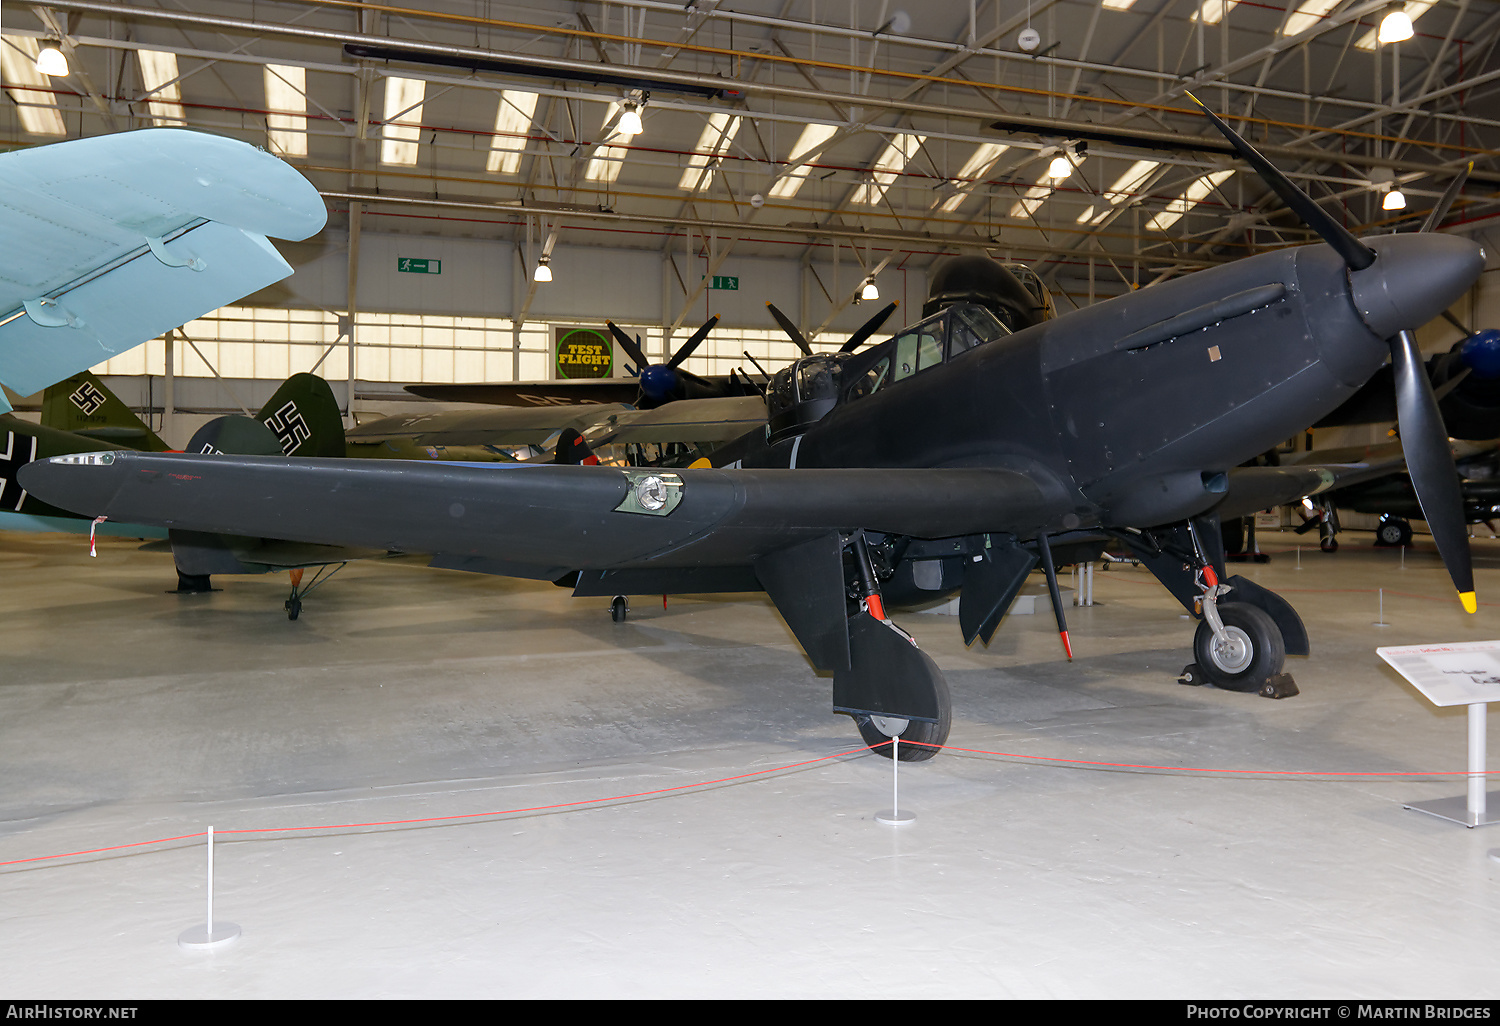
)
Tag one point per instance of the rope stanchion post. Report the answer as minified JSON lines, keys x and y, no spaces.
{"x":892,"y":727}
{"x":210,"y":934}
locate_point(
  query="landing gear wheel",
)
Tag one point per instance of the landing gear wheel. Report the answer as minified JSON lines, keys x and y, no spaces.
{"x":1328,"y":544}
{"x":293,"y":607}
{"x":925,"y":734}
{"x":1252,"y":652}
{"x":1393,"y":531}
{"x":888,"y":672}
{"x":619,"y":609}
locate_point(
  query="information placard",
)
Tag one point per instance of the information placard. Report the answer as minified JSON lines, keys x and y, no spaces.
{"x":1461,"y":673}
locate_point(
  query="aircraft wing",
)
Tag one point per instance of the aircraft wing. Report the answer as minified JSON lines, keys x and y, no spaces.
{"x":512,"y":426}
{"x":689,"y":420}
{"x":539,"y":521}
{"x":110,"y":241}
{"x":535,"y":393}
{"x":1257,"y":488}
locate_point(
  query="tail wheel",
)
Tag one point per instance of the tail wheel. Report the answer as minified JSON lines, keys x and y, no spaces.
{"x":619,"y":609}
{"x":1393,"y":531}
{"x":1251,"y":651}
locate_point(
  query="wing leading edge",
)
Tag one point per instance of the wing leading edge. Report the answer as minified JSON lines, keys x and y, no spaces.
{"x":538,"y":520}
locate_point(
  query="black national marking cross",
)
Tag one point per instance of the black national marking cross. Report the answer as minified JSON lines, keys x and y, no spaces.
{"x":19,"y":451}
{"x":289,"y":427}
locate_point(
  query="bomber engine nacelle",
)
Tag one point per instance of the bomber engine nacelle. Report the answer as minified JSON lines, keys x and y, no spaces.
{"x":1470,"y":408}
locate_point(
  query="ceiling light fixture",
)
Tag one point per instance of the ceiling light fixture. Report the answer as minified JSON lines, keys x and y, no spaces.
{"x":50,"y":61}
{"x":1060,"y":167}
{"x":630,"y":121}
{"x":543,"y":270}
{"x":1395,"y":199}
{"x":1395,"y":27}
{"x":869,"y":292}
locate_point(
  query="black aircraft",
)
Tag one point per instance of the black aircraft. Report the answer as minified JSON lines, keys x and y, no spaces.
{"x":956,"y":455}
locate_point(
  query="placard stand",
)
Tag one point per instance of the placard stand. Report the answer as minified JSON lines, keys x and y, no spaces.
{"x":1470,"y":809}
{"x":1465,"y":673}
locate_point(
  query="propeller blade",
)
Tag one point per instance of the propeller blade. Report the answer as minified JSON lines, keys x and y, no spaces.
{"x":758,"y":367}
{"x":1456,"y":323}
{"x":693,"y":342}
{"x":1356,"y":254}
{"x":629,"y":345}
{"x":1429,"y":461}
{"x":790,"y":329}
{"x":868,"y":328}
{"x":1436,"y":215}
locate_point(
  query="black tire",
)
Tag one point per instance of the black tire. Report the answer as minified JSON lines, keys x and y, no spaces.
{"x":1328,"y":544}
{"x":1257,"y":650}
{"x":924,"y":734}
{"x":619,"y":609}
{"x":293,"y":608}
{"x":1393,"y":531}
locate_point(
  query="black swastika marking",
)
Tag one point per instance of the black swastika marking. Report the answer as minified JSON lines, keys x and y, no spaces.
{"x":87,"y":398}
{"x":289,"y":427}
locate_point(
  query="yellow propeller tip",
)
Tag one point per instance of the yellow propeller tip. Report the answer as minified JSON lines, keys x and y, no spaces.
{"x":1195,"y":99}
{"x":1471,"y":605}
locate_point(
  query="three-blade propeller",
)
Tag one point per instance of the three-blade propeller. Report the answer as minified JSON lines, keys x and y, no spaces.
{"x":1429,"y":459}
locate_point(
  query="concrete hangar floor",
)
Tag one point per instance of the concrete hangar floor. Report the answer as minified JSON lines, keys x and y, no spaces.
{"x":402,"y":694}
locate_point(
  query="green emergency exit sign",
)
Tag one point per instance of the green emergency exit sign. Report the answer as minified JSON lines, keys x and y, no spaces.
{"x":728,"y":284}
{"x":411,"y":265}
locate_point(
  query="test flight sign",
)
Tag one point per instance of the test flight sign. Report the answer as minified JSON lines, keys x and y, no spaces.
{"x":582,"y":352}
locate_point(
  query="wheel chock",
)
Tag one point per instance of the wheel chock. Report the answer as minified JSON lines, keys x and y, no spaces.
{"x":1279,"y":685}
{"x":1192,"y":676}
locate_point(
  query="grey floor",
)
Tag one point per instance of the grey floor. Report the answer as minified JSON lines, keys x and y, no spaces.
{"x":128,"y":714}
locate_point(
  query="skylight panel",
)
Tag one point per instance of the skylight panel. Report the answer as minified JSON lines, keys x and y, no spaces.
{"x":37,"y":108}
{"x":1190,"y":198}
{"x":286,"y":97}
{"x":1032,"y":201}
{"x":1414,"y":10}
{"x":809,"y":142}
{"x":512,"y":129}
{"x":159,"y":76}
{"x":886,"y":169}
{"x":1213,"y":11}
{"x":1119,"y":5}
{"x":712,"y":144}
{"x":403,"y":120}
{"x":1309,"y":14}
{"x":604,"y":165}
{"x":973,"y":170}
{"x":1122,"y":190}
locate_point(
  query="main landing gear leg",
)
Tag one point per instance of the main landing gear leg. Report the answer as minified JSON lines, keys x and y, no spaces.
{"x":889,"y":674}
{"x":1241,"y":643}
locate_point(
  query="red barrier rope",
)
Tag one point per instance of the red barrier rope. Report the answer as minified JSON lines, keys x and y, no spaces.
{"x":747,"y":776}
{"x":449,"y":819}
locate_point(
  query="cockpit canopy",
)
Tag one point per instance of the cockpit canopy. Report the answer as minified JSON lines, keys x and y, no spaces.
{"x":800,"y":395}
{"x":1014,"y":293}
